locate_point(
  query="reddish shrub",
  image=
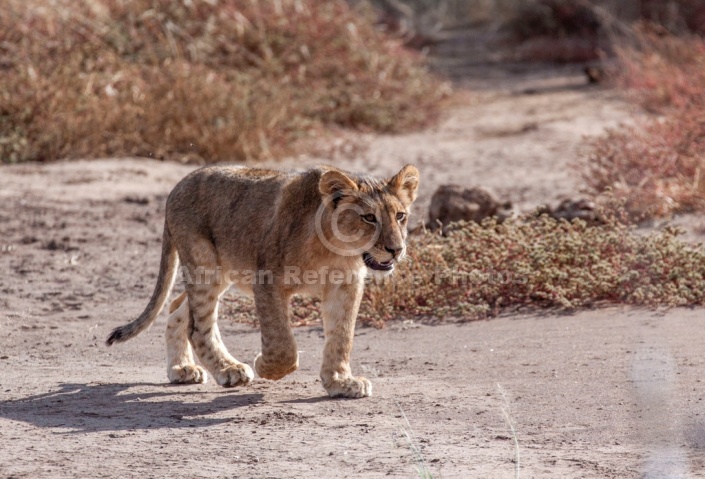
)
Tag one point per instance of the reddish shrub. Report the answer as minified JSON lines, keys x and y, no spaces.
{"x":656,"y":166}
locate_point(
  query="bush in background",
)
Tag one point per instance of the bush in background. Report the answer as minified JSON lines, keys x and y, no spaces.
{"x":483,"y":270}
{"x":656,"y":166}
{"x":586,"y":30}
{"x":199,"y":80}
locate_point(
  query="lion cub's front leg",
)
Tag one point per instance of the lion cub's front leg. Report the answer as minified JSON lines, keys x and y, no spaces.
{"x":279,"y":355}
{"x":339,"y":311}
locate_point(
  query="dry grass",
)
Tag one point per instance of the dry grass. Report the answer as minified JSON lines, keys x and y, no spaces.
{"x":199,"y":80}
{"x":655,"y":166}
{"x":483,"y":270}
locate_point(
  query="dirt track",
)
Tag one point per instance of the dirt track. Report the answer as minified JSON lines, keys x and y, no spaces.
{"x":607,"y":393}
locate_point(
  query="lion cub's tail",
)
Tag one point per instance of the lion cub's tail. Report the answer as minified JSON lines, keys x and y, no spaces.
{"x":167,"y":274}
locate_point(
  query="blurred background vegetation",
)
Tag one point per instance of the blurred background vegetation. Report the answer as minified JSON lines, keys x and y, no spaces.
{"x":676,"y":15}
{"x":197,"y":80}
{"x":242,"y":80}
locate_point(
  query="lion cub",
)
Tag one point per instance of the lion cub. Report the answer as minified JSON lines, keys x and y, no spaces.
{"x":274,"y":234}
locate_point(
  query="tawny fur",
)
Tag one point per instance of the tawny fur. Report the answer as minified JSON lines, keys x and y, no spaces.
{"x":224,"y":222}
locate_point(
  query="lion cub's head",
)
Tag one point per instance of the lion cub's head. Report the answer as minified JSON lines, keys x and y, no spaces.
{"x":366,"y":217}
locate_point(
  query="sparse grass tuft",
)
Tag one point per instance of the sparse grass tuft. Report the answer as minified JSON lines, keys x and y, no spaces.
{"x":421,"y":468}
{"x":507,"y":413}
{"x":198,"y":80}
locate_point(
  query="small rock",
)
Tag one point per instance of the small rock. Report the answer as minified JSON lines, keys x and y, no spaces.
{"x":569,"y":210}
{"x":455,"y":203}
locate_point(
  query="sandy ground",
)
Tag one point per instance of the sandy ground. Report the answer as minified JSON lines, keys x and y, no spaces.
{"x":608,"y":393}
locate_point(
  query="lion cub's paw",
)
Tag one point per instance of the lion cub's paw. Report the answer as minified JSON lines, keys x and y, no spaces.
{"x":188,"y":374}
{"x":349,"y":387}
{"x":274,"y":371}
{"x":234,"y":375}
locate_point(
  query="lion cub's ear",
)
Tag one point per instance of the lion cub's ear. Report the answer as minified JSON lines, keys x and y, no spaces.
{"x":334,"y":182}
{"x":405,"y":183}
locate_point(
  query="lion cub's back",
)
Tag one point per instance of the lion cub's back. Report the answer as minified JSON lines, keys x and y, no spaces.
{"x":225,"y":200}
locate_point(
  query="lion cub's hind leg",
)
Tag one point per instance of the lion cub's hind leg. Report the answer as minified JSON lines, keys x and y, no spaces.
{"x":204,"y":333}
{"x":180,"y":364}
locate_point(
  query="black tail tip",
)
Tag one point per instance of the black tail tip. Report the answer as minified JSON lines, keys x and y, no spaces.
{"x":115,"y":337}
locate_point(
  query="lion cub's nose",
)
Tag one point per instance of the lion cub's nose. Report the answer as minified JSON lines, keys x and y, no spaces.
{"x":394,"y":250}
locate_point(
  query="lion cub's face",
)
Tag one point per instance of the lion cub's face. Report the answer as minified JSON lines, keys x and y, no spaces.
{"x":367,"y":217}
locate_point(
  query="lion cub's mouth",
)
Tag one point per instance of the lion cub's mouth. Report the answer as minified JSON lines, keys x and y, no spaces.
{"x":372,"y":263}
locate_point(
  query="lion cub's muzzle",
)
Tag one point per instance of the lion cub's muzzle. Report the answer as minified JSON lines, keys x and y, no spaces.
{"x":372,"y":263}
{"x":386,"y":266}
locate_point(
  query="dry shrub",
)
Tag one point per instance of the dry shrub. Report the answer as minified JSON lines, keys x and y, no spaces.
{"x":553,"y":18}
{"x":663,"y":71}
{"x":558,"y":31}
{"x":483,"y":270}
{"x":677,"y":16}
{"x":655,"y":169}
{"x":655,"y":166}
{"x":209,"y":81}
{"x":583,"y":30}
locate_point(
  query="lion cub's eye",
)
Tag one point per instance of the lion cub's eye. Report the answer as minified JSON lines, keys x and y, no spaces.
{"x":401,"y":216}
{"x":369,"y":218}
